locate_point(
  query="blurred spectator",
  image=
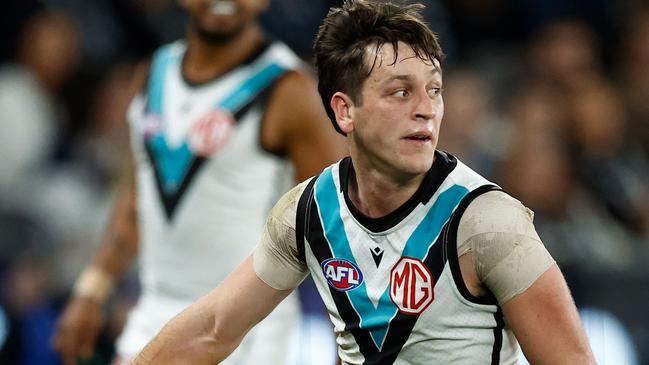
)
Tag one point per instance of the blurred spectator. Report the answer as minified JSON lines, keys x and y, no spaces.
{"x":475,"y":23}
{"x":34,"y":117}
{"x":535,"y":112}
{"x":29,"y":92}
{"x":48,"y":212}
{"x":609,"y":161}
{"x":13,"y":16}
{"x":304,"y":17}
{"x":634,"y":76}
{"x":31,"y":313}
{"x":563,"y":54}
{"x":101,"y":145}
{"x":114,"y":30}
{"x":576,"y":229}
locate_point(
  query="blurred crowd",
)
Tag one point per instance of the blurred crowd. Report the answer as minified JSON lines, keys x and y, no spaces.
{"x":548,"y":98}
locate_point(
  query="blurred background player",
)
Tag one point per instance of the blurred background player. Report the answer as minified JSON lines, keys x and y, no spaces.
{"x":222,"y":124}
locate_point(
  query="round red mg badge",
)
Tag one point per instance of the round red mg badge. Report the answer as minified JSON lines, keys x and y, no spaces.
{"x":211,"y":132}
{"x":411,"y":285}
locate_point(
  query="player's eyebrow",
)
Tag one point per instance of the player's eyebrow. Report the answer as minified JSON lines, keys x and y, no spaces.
{"x":400,"y":77}
{"x":434,"y":62}
{"x":408,"y":77}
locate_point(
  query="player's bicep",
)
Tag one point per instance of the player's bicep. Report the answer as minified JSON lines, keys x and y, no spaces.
{"x":508,"y":264}
{"x":276,"y":265}
{"x":512,"y":262}
{"x":275,"y":259}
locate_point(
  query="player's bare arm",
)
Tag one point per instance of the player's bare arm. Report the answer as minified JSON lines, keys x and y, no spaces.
{"x":546,"y":323}
{"x":296,"y":124}
{"x":210,"y":329}
{"x":505,"y":257}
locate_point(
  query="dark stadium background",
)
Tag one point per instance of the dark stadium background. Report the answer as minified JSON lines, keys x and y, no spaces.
{"x":549,"y":98}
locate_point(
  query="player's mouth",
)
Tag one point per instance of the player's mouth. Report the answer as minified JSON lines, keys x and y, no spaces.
{"x":419,"y":137}
{"x":223,"y":7}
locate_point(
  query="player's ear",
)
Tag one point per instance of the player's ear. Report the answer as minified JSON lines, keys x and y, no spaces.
{"x":341,"y":104}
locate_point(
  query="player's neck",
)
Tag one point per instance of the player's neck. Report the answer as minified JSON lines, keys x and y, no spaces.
{"x":205,"y":61}
{"x":377,"y":193}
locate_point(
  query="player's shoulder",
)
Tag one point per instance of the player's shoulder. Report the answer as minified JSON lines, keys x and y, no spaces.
{"x":140,"y":76}
{"x":497,"y":199}
{"x":294,"y":84}
{"x":144,"y":68}
{"x":294,"y":112}
{"x":285,"y":209}
{"x":496,"y":211}
{"x":298,"y":76}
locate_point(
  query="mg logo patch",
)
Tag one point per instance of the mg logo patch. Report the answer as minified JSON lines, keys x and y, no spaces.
{"x":211,"y":132}
{"x":411,"y":285}
{"x":342,"y":274}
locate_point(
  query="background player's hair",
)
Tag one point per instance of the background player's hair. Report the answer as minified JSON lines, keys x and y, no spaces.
{"x":354,"y":33}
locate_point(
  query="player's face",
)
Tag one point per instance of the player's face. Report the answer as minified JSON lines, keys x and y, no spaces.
{"x":222,"y":19}
{"x":396,"y":126}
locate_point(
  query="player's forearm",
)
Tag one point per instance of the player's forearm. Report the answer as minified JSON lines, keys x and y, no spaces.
{"x":120,"y":241}
{"x":189,"y":338}
{"x":207,"y":331}
{"x":115,"y":253}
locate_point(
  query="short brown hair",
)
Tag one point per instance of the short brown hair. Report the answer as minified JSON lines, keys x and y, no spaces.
{"x":346,"y":33}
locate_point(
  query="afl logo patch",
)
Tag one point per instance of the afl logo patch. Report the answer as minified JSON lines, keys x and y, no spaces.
{"x":411,"y":285}
{"x":342,"y":274}
{"x":151,"y":126}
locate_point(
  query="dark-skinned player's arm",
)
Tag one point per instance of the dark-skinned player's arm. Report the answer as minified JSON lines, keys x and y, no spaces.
{"x":296,"y":124}
{"x":83,"y":316}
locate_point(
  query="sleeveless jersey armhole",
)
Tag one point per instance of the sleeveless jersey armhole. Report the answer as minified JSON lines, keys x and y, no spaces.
{"x":301,"y":219}
{"x":451,"y":246}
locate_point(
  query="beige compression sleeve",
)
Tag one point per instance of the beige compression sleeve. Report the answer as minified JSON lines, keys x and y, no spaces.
{"x":275,"y":257}
{"x":508,"y":253}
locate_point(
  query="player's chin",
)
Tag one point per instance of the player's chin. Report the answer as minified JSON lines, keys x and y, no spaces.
{"x":220,"y":26}
{"x":218,"y":32}
{"x":417,"y":164}
{"x":417,"y":150}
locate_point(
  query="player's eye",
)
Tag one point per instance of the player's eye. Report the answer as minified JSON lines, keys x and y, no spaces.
{"x":401,"y":93}
{"x":435,"y":91}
